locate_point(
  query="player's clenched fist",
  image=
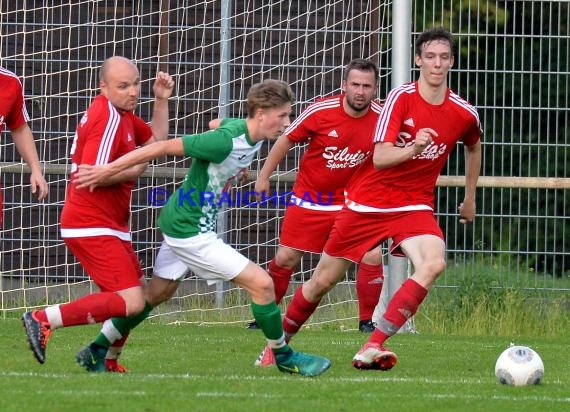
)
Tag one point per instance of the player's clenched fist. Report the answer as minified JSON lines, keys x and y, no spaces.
{"x":424,"y":137}
{"x":163,"y":86}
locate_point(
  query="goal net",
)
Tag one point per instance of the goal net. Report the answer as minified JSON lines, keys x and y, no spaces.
{"x":215,"y":50}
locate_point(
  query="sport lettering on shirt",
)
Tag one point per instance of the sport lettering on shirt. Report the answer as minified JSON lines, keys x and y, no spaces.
{"x":341,"y":159}
{"x":432,"y":152}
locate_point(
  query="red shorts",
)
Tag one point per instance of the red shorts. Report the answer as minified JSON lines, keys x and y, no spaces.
{"x":109,"y":261}
{"x":355,"y":233}
{"x":305,"y":229}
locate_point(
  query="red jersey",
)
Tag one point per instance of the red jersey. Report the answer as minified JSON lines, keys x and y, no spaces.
{"x":13,"y":111}
{"x":338,"y":143}
{"x":410,"y":185}
{"x":12,"y":108}
{"x":103,"y":135}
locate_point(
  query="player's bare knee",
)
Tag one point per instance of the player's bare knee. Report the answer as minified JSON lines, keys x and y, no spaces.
{"x":285,"y":259}
{"x":322,"y":284}
{"x":264,"y":286}
{"x":134,"y":300}
{"x":435,"y":267}
{"x":156,"y":297}
{"x":257,"y":282}
{"x":135,"y":305}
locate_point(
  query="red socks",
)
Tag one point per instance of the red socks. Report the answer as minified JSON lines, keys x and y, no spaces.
{"x":369,"y":280}
{"x":93,"y":308}
{"x":403,"y":305}
{"x":298,"y":312}
{"x":281,"y":278}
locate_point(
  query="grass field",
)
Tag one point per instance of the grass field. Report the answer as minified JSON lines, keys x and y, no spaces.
{"x":193,"y":368}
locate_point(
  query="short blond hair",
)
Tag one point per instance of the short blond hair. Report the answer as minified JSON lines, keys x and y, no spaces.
{"x":268,"y":94}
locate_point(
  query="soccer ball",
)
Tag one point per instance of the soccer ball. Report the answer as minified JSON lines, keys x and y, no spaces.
{"x":519,"y":366}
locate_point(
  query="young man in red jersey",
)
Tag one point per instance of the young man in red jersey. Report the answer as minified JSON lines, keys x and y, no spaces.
{"x":95,"y":225}
{"x":338,"y":131}
{"x":13,"y":114}
{"x":392,"y":195}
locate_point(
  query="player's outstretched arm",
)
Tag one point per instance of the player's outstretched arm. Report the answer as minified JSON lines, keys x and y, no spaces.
{"x":132,"y":173}
{"x":276,"y":154}
{"x":91,"y":176}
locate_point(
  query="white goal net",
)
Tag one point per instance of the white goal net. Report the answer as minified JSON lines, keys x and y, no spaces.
{"x":215,"y":50}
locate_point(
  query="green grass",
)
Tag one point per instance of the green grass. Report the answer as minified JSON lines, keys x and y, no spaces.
{"x":193,"y":368}
{"x":497,"y":312}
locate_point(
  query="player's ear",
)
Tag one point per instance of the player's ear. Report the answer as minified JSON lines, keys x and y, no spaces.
{"x":343,"y":86}
{"x":418,"y":60}
{"x":103,"y":87}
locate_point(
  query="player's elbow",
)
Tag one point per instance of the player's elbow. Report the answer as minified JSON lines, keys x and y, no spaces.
{"x":378,"y":163}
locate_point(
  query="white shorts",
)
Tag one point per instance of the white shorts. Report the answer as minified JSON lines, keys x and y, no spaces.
{"x":206,"y":255}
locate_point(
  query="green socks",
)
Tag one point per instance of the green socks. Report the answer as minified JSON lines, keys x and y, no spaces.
{"x":114,"y":329}
{"x":268,"y":317}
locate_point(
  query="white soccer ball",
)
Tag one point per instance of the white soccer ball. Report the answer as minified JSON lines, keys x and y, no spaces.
{"x":519,"y":366}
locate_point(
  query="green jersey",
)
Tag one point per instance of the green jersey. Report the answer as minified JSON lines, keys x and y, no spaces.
{"x":218,"y":156}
